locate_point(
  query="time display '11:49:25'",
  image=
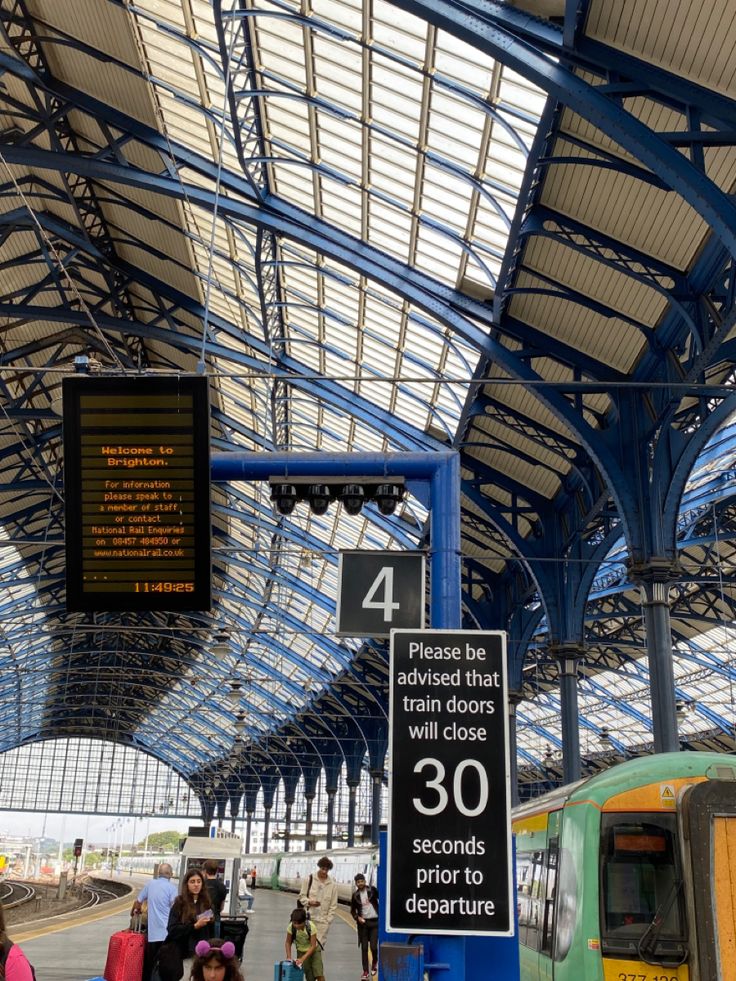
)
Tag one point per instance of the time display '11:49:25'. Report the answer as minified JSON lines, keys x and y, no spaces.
{"x":163,"y":587}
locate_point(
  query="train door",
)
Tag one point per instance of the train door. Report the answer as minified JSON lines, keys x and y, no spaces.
{"x":708,"y":821}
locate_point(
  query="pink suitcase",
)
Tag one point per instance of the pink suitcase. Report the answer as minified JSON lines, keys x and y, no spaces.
{"x":125,"y":954}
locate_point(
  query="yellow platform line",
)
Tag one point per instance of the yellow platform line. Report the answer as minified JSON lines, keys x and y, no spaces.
{"x":347,"y":918}
{"x":76,"y":919}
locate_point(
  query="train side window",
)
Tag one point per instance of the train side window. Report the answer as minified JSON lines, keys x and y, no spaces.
{"x":536,"y":901}
{"x":550,"y":893}
{"x":567,"y":904}
{"x":640,"y":882}
{"x":523,"y":884}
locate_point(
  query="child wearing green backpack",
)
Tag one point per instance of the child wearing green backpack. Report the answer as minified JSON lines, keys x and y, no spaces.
{"x":303,"y":935}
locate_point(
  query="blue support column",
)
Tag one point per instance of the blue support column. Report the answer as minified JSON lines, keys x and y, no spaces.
{"x":661,"y":668}
{"x":331,"y":791}
{"x":308,"y":843}
{"x":287,"y":824}
{"x":446,"y":613}
{"x":568,"y":656}
{"x":462,"y":958}
{"x":376,"y":784}
{"x":445,"y":565}
{"x":352,"y":791}
{"x":514,"y":699}
{"x":248,"y":829}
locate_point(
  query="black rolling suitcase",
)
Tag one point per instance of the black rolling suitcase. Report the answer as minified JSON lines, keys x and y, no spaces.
{"x":234,"y":928}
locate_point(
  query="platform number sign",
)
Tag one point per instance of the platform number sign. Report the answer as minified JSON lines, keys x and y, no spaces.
{"x":379,"y":592}
{"x":449,"y":839}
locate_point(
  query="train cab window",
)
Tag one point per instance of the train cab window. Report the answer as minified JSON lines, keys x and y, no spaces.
{"x":641,"y":895}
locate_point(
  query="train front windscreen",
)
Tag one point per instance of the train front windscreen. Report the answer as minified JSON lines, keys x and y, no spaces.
{"x":642,"y":902}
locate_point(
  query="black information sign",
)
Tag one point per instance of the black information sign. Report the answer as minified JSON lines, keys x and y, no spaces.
{"x":137,"y":493}
{"x":449,"y":838}
{"x":378,"y":592}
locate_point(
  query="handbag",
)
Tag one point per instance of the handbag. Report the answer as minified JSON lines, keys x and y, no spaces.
{"x":169,"y":964}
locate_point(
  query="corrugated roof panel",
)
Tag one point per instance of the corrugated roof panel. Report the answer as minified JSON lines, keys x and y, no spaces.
{"x":695,"y":40}
{"x":610,"y":339}
{"x":594,"y":279}
{"x":537,"y":478}
{"x":657,"y":222}
{"x":105,"y":81}
{"x":577,"y":326}
{"x":104,"y":29}
{"x":549,"y":459}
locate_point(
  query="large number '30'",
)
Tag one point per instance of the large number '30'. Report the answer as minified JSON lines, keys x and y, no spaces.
{"x":436,"y":786}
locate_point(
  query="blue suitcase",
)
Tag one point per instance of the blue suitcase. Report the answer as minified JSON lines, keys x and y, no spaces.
{"x":286,"y":971}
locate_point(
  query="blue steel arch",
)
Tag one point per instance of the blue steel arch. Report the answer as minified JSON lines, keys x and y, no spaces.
{"x":546,"y":39}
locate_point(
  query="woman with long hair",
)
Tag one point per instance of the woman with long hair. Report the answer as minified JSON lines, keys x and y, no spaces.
{"x":13,"y":963}
{"x":191,"y":918}
{"x":216,"y":961}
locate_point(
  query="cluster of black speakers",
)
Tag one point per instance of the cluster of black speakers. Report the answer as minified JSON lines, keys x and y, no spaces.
{"x":286,"y":495}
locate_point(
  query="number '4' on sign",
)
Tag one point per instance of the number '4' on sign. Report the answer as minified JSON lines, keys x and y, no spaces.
{"x":383,"y":583}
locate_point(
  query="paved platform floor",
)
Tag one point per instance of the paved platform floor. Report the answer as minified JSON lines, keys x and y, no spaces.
{"x":77,"y":952}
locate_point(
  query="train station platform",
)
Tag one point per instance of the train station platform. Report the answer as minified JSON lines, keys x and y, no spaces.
{"x":75,"y":949}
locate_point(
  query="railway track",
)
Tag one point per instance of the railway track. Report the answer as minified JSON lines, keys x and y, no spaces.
{"x":96,"y":895}
{"x":14,"y":894}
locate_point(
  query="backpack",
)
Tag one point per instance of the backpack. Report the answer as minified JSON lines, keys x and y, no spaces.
{"x":307,"y":926}
{"x":4,"y":951}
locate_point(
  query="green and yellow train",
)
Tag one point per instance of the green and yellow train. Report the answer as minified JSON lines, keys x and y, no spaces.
{"x":630,"y":875}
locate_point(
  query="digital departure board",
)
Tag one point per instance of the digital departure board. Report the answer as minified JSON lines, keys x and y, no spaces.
{"x":137,"y":493}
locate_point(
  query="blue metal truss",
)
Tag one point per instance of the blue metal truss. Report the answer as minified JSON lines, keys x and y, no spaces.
{"x":597,"y":501}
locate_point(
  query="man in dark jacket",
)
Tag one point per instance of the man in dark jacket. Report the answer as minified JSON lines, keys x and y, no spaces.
{"x":217,"y":891}
{"x":364,"y":910}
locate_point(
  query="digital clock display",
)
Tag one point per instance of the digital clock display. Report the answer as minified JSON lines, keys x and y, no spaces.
{"x":137,"y":493}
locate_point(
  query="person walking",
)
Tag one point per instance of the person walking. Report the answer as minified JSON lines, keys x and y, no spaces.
{"x":318,"y":897}
{"x":160,"y":894}
{"x":364,"y":910}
